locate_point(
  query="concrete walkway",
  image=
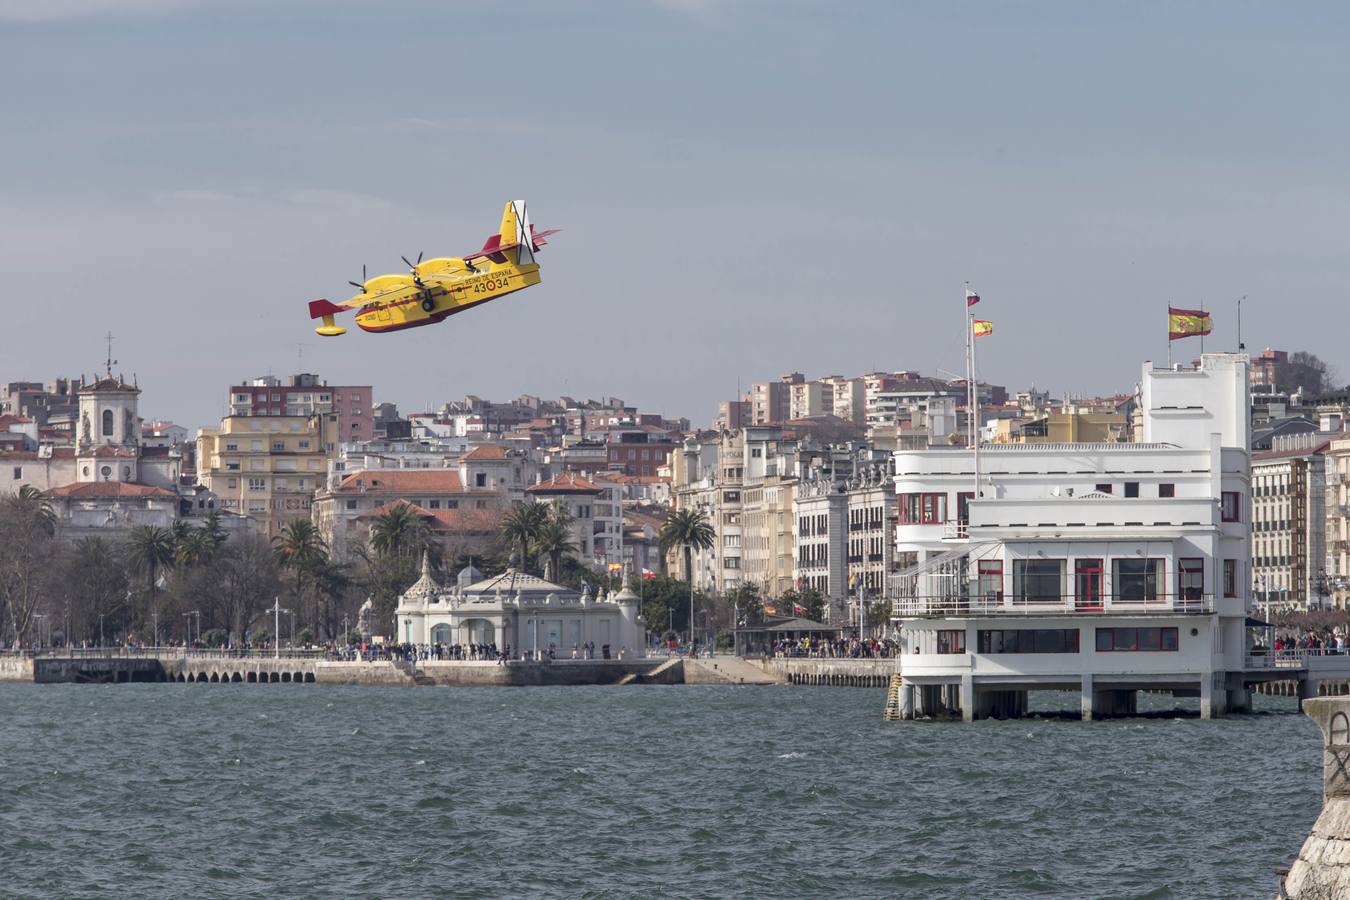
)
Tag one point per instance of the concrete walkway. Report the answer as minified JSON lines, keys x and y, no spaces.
{"x":726,"y":670}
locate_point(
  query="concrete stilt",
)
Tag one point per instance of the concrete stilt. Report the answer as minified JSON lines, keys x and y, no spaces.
{"x":1307,"y":689}
{"x":907,"y":701}
{"x":967,"y":698}
{"x":1088,"y":699}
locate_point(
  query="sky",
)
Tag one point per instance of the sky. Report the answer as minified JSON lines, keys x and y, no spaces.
{"x":746,"y":188}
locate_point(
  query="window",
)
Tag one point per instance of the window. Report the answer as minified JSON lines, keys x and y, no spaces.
{"x":1138,"y":580}
{"x":1167,"y":490}
{"x":953,"y":641}
{"x":1104,"y":488}
{"x":107,"y":423}
{"x":232,"y":482}
{"x":923,"y":509}
{"x":731,"y":562}
{"x":1129,"y":640}
{"x":256,"y":484}
{"x":18,"y":472}
{"x":1028,"y":640}
{"x":1087,"y":584}
{"x":731,"y":496}
{"x":231,"y":445}
{"x":480,"y":479}
{"x":1230,"y":506}
{"x":1038,"y":580}
{"x":991,"y":580}
{"x":1191,"y":579}
{"x":963,"y":499}
{"x":1230,"y":577}
{"x":434,"y":504}
{"x":1131,"y":489}
{"x":256,"y":445}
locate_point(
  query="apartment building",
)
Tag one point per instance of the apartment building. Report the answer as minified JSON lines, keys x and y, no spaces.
{"x":1289,"y":524}
{"x":267,"y":466}
{"x":307,"y":395}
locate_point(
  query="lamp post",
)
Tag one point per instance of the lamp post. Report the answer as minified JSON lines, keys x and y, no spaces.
{"x":100,"y":630}
{"x":346,"y":627}
{"x":37,"y":618}
{"x":276,"y":612}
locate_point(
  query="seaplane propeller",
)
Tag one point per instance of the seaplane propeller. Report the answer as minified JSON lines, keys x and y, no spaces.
{"x":412,"y":266}
{"x":362,"y":285}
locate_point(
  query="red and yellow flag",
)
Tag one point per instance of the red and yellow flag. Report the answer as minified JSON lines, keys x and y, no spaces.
{"x":983,"y":327}
{"x":1184,"y":323}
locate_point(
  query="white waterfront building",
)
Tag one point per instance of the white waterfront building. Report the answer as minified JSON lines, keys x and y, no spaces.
{"x":534,"y":617}
{"x":1101,"y":568}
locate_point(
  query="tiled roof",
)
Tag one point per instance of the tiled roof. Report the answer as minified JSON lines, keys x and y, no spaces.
{"x":486,"y":451}
{"x":7,"y":420}
{"x":109,"y":490}
{"x":1267,"y":455}
{"x":403,"y":481}
{"x":479,"y":520}
{"x":566,"y":483}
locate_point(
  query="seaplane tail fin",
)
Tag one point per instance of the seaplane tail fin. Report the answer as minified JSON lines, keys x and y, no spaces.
{"x":516,"y":231}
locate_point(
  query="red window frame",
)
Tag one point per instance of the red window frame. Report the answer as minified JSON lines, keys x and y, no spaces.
{"x":1107,"y":640}
{"x":963,"y":499}
{"x":1230,"y":506}
{"x":990,"y":568}
{"x":923,"y":508}
{"x":951,"y":640}
{"x":1085,"y":569}
{"x":1230,"y":579}
{"x":1193,"y":565}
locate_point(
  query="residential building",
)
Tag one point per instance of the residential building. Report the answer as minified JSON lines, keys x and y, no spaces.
{"x":770,"y":402}
{"x":732,"y":414}
{"x":1289,"y":523}
{"x":1337,"y":499}
{"x":338,"y":510}
{"x":638,"y":454}
{"x":596,"y":510}
{"x":1100,"y":568}
{"x":1062,"y":426}
{"x":267,"y":466}
{"x":307,"y":394}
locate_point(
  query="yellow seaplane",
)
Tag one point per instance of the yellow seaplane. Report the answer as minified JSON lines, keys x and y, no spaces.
{"x":441,"y":287}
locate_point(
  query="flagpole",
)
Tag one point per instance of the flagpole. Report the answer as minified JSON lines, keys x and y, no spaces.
{"x":1169,"y":335}
{"x":973,"y":401}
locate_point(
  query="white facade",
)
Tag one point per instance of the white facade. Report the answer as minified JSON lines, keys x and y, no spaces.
{"x":1132,"y":544}
{"x":531,"y":616}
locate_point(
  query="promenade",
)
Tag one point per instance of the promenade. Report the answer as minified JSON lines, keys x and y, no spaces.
{"x":176,"y":665}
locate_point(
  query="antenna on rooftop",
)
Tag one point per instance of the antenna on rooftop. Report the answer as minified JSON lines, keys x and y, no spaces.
{"x":1241,"y":346}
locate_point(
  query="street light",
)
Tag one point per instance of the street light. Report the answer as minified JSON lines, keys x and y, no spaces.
{"x":38,"y":617}
{"x":276,"y":612}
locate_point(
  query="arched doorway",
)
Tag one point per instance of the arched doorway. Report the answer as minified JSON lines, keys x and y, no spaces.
{"x":441,"y":634}
{"x":480,"y":631}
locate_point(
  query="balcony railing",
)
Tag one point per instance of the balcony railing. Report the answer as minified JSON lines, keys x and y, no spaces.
{"x":955,"y":531}
{"x":998,"y":605}
{"x":1286,"y":659}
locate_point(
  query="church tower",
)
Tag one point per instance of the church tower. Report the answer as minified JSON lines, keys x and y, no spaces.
{"x":109,"y":441}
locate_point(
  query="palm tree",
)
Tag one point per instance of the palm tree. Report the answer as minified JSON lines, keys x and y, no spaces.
{"x":301,"y":549}
{"x":399,"y":532}
{"x":193,"y":547}
{"x":150,"y":551}
{"x":553,"y":540}
{"x":521,"y":526}
{"x":688,"y":529}
{"x":34,"y":502}
{"x":213,"y":528}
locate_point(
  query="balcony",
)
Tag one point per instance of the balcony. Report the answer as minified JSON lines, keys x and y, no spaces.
{"x":955,"y":531}
{"x":995,"y":605}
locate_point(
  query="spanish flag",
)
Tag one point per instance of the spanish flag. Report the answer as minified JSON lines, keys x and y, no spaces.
{"x":616,"y":567}
{"x":983,"y":327}
{"x":1184,"y":323}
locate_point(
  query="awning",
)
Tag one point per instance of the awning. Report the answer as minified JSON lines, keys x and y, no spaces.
{"x":1257,"y":623}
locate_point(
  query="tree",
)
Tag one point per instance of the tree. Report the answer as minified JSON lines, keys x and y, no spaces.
{"x":688,"y":529}
{"x":553,"y":540}
{"x":150,"y":552}
{"x":400,"y":532}
{"x":300,"y":550}
{"x":247,"y":580}
{"x":27,"y":545}
{"x":808,"y":599}
{"x":521,"y":526}
{"x":1303,"y":370}
{"x":193,"y":547}
{"x":96,"y":588}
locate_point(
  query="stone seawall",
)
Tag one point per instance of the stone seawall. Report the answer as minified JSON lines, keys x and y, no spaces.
{"x":16,"y":669}
{"x":872,"y":673}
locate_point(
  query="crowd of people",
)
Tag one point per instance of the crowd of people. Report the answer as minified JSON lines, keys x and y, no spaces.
{"x":1322,"y":642}
{"x":834,"y":648}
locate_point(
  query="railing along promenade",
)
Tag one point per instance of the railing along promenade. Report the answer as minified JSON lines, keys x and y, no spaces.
{"x":1011,"y":605}
{"x":164,"y":653}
